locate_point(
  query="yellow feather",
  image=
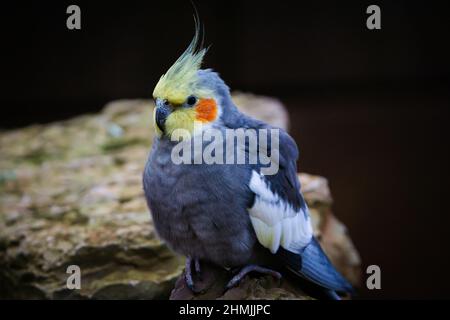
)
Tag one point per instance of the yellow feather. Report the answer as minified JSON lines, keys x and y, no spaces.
{"x":181,"y":118}
{"x":180,"y":81}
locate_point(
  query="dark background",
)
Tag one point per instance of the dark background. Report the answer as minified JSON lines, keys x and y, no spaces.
{"x":369,"y":109}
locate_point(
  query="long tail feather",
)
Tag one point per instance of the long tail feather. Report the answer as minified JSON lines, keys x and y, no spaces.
{"x":312,"y":264}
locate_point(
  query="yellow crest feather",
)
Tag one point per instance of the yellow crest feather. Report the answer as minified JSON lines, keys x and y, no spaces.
{"x":180,"y":80}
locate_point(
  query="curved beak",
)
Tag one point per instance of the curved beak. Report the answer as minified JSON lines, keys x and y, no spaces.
{"x":161,"y":114}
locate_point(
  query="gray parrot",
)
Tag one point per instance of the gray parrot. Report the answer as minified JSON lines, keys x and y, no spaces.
{"x":230,"y":214}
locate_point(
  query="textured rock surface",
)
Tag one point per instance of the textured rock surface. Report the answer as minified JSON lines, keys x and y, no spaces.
{"x":70,"y":193}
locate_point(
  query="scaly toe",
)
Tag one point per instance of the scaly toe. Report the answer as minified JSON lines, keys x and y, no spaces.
{"x":246,"y":270}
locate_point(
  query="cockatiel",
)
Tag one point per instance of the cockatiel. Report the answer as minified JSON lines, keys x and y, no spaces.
{"x":227,"y":214}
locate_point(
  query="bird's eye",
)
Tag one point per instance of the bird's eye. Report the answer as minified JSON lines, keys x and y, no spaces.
{"x":166,"y":102}
{"x":191,"y":100}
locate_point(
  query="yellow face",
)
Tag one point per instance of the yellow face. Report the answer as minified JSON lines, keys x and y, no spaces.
{"x":169,"y":116}
{"x":181,"y":99}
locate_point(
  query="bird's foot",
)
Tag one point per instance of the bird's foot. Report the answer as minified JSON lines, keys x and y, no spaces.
{"x":250,"y":268}
{"x":189,"y":273}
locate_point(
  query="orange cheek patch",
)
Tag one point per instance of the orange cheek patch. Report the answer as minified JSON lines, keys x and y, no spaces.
{"x":206,"y":110}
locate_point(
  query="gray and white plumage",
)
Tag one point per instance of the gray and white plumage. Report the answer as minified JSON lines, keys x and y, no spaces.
{"x":227,"y":213}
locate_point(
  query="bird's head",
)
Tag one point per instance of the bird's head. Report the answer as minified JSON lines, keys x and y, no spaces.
{"x":186,"y":95}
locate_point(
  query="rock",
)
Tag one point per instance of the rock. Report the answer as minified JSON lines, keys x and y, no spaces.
{"x":71,"y":194}
{"x":213,"y":280}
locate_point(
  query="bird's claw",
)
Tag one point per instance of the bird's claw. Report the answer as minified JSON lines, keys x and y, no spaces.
{"x":246,"y":270}
{"x":188,"y":273}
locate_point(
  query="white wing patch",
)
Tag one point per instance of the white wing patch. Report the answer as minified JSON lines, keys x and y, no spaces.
{"x":275,"y":221}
